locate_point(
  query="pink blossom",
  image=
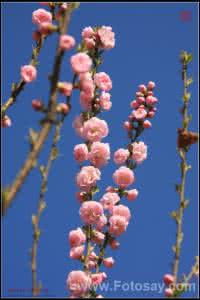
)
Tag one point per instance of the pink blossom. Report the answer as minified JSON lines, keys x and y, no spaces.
{"x":141,"y":100}
{"x":110,"y":189}
{"x":147,"y":124}
{"x":120,"y":156}
{"x":139,"y":152}
{"x":123,"y":177}
{"x":99,"y":154}
{"x":151,"y":114}
{"x":80,"y":196}
{"x":87,"y":85}
{"x":76,"y":237}
{"x":139,"y":113}
{"x":87,"y":32}
{"x":107,"y":37}
{"x":97,"y":279}
{"x":98,"y":237}
{"x":118,"y":225}
{"x":109,"y":200}
{"x":151,"y":85}
{"x":6,"y":121}
{"x":151,"y":100}
{"x":142,"y":88}
{"x":168,"y":279}
{"x":127,"y":125}
{"x":101,"y":222}
{"x":91,"y":264}
{"x":103,"y":81}
{"x":66,"y":42}
{"x":40,"y":16}
{"x":78,"y":282}
{"x":81,"y":63}
{"x":46,"y":28}
{"x":91,"y":211}
{"x":37,"y":104}
{"x":169,"y":292}
{"x":78,"y":125}
{"x":85,"y":76}
{"x":28,"y":73}
{"x":122,"y":211}
{"x":86,"y":100}
{"x":93,"y":256}
{"x":80,"y":152}
{"x":134,"y":104}
{"x":65,"y":88}
{"x":76,"y":252}
{"x":62,"y":108}
{"x":87,"y":177}
{"x":89,"y":43}
{"x":95,"y":129}
{"x":114,"y":244}
{"x":108,"y":262}
{"x":105,"y":102}
{"x":132,"y":194}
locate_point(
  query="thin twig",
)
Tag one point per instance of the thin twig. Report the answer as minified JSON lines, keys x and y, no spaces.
{"x":182,"y":151}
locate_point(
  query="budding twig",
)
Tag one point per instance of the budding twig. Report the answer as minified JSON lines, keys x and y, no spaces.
{"x":184,"y":143}
{"x":47,"y":124}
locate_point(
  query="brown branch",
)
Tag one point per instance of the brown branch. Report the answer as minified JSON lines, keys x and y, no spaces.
{"x":184,"y":142}
{"x":47,"y":124}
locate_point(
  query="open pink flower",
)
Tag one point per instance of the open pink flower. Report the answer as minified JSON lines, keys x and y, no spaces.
{"x":95,"y":129}
{"x":66,"y":42}
{"x":78,"y":125}
{"x":77,"y":237}
{"x":122,"y":211}
{"x":107,"y":37}
{"x":123,"y":177}
{"x":28,"y":73}
{"x":91,"y":211}
{"x":103,"y":81}
{"x":139,"y":113}
{"x":81,"y":63}
{"x":78,"y":283}
{"x":120,"y":156}
{"x":108,"y":262}
{"x":80,"y":152}
{"x":105,"y":102}
{"x":109,"y":200}
{"x":76,"y":252}
{"x":118,"y":225}
{"x":40,"y":16}
{"x":87,"y":177}
{"x":139,"y":152}
{"x":99,"y":154}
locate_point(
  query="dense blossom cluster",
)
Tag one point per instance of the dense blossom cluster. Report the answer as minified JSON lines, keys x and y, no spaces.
{"x":104,"y":220}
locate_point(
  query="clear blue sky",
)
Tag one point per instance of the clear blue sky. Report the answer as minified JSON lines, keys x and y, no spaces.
{"x":149,"y":38}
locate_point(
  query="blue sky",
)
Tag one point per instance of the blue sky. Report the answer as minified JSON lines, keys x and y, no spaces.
{"x":149,"y":38}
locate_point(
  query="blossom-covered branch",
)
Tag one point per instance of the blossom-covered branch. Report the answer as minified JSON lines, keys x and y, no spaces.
{"x":185,"y":139}
{"x":42,"y":19}
{"x":29,"y":72}
{"x":106,"y":219}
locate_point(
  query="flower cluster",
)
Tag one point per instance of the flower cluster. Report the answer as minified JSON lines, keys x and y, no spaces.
{"x":94,"y":98}
{"x":104,"y":220}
